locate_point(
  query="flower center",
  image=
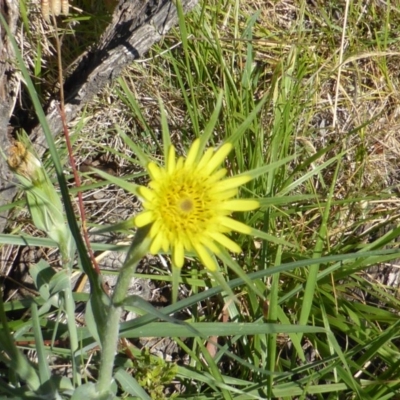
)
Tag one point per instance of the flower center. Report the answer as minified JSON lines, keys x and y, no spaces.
{"x":185,"y":205}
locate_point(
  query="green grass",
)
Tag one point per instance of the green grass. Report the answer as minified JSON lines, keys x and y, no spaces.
{"x":311,"y":320}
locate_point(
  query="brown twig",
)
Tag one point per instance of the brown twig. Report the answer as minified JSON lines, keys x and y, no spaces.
{"x":77,"y":180}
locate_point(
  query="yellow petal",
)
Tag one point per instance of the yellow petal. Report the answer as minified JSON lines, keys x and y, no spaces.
{"x":178,"y":254}
{"x":207,"y":242}
{"x":146,"y":193}
{"x":205,"y":257}
{"x":231,"y":183}
{"x":187,"y":244}
{"x":165,"y":243}
{"x":235,"y":225}
{"x":171,"y":162}
{"x":226,"y":242}
{"x":218,"y":157}
{"x":144,"y":218}
{"x":239,"y":205}
{"x":155,"y":228}
{"x":205,"y":159}
{"x":193,"y":152}
{"x":224,"y":196}
{"x":180,"y":163}
{"x":156,"y":244}
{"x":217,"y":176}
{"x":154,"y":171}
{"x":157,"y":186}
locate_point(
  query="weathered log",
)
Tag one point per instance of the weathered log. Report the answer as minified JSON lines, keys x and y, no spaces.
{"x":136,"y":25}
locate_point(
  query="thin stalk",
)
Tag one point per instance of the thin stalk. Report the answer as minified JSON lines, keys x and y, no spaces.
{"x":73,"y":334}
{"x":137,"y":251}
{"x":67,"y":248}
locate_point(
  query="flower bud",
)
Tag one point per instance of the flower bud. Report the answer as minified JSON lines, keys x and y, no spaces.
{"x":43,"y":200}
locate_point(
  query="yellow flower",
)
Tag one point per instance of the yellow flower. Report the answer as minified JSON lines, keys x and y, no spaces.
{"x":189,"y":203}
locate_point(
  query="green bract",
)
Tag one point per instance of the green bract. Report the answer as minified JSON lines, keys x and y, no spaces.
{"x":43,"y":200}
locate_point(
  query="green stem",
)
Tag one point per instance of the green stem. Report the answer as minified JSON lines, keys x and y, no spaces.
{"x":17,"y":360}
{"x":68,"y":249}
{"x":73,"y":334}
{"x":137,"y":251}
{"x":109,"y":349}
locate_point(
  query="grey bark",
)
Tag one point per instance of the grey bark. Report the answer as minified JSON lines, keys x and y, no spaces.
{"x":136,"y":25}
